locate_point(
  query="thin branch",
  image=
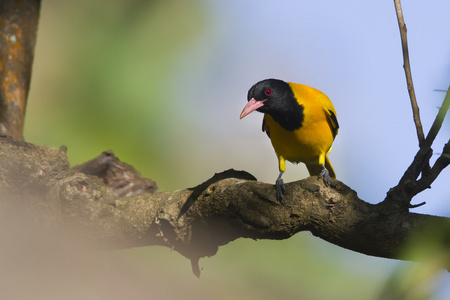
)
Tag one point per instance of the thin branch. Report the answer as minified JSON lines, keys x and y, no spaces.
{"x":407,"y":67}
{"x":437,"y":124}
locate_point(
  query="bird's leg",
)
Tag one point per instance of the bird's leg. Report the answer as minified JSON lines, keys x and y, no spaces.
{"x":280,"y":189}
{"x":325,"y":174}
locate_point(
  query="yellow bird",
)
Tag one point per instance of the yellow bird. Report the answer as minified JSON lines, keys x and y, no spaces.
{"x":301,"y":123}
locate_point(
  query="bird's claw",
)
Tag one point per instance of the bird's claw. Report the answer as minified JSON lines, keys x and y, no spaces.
{"x":326,"y":176}
{"x":280,"y":189}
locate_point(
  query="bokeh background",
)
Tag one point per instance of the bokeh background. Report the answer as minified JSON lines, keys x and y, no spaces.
{"x":162,"y":84}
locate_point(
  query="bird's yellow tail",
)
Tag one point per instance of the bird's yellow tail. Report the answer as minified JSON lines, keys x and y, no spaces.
{"x":315,"y":169}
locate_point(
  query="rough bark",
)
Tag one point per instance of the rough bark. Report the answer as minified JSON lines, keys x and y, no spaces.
{"x":196,"y":221}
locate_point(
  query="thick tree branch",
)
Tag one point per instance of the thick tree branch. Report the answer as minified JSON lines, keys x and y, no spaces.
{"x":18,"y":27}
{"x":39,"y":179}
{"x":407,"y":68}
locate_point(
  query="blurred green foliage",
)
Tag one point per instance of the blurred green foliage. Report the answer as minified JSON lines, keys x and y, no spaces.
{"x":101,"y":79}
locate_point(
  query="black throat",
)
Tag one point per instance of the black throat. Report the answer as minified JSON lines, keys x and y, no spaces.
{"x":290,"y":115}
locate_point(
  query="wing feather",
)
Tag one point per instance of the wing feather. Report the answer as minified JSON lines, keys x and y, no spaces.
{"x":332,"y":121}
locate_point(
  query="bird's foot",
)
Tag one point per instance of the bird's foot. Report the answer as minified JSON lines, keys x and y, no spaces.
{"x":280,"y":189}
{"x":326,"y":176}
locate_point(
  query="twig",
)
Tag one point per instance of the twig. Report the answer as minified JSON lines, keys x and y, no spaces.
{"x":438,"y":120}
{"x":407,"y":67}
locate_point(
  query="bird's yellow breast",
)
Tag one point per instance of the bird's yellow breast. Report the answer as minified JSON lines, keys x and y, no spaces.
{"x":313,"y":138}
{"x":300,"y":145}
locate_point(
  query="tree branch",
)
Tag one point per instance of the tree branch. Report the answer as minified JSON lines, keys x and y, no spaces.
{"x":427,"y":179}
{"x":407,"y":68}
{"x":437,"y":124}
{"x":39,"y":179}
{"x":408,"y":185}
{"x":18,"y":27}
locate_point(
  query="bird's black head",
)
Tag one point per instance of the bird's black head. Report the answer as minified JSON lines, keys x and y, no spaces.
{"x":276,"y":98}
{"x":274,"y":92}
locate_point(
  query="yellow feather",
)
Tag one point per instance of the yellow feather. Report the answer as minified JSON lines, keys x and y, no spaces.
{"x":312,"y":141}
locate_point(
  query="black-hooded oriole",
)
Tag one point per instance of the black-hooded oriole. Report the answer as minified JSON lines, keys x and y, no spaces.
{"x":300,"y":122}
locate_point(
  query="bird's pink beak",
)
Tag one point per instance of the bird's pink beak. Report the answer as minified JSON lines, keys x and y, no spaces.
{"x":252,"y":105}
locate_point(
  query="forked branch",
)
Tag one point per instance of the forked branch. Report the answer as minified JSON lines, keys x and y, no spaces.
{"x":409,"y":185}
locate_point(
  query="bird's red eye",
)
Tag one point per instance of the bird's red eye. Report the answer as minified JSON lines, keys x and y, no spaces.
{"x":268,"y":92}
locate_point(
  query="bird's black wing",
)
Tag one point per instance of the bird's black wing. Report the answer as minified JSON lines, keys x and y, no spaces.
{"x":332,"y":121}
